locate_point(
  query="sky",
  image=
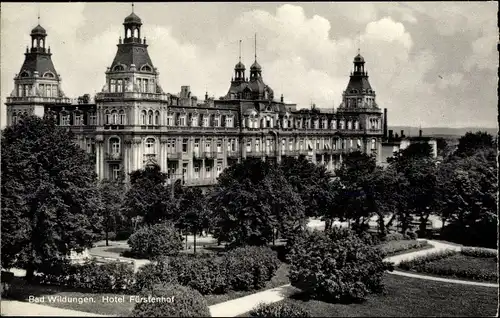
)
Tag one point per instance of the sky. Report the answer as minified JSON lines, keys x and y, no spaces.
{"x":432,"y":64}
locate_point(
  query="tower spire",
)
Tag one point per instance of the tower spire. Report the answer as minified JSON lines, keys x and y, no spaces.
{"x":132,"y":7}
{"x":359,"y":42}
{"x":239,"y":57}
{"x":255,"y":47}
{"x":38,"y":13}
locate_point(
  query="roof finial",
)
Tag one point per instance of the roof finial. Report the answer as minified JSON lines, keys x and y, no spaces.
{"x":132,"y":7}
{"x":240,"y":52}
{"x":255,"y":47}
{"x":359,"y":42}
{"x":38,"y":13}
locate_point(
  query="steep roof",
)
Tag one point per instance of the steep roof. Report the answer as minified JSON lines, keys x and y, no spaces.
{"x":40,"y":62}
{"x":132,"y":53}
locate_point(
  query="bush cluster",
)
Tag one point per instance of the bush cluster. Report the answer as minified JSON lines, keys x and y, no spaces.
{"x":106,"y":277}
{"x":479,"y":252}
{"x":337,"y":266}
{"x":421,"y":260}
{"x":393,"y":237}
{"x":181,"y":301}
{"x":155,"y":241}
{"x":281,"y":309}
{"x":246,"y":268}
{"x":393,"y":247}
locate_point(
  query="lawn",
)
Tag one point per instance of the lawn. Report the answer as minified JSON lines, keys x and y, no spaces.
{"x":462,"y":267}
{"x":409,"y":297}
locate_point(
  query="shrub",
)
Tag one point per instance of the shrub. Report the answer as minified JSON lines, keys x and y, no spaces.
{"x":154,"y":273}
{"x":249,"y":268}
{"x":107,"y":277}
{"x":206,"y":273}
{"x":393,"y":247}
{"x":280,"y":309}
{"x":393,"y":237}
{"x":123,"y":235}
{"x":155,"y":241}
{"x":411,"y":235}
{"x":479,"y":252}
{"x":180,"y":301}
{"x":337,"y":266}
{"x":421,"y":260}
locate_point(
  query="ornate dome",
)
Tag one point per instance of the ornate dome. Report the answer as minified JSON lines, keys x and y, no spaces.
{"x":38,"y":30}
{"x":255,"y":66}
{"x":359,"y":58}
{"x":239,"y":66}
{"x":133,"y":18}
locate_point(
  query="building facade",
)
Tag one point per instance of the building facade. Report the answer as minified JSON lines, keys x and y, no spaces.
{"x":132,"y":122}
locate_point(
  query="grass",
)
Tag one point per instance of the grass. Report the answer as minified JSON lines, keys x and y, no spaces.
{"x":411,"y":297}
{"x":462,"y":267}
{"x":393,"y":248}
{"x":279,"y":279}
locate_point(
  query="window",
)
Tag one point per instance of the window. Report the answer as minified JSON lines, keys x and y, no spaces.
{"x":316,"y":124}
{"x":229,"y":145}
{"x":118,"y":68}
{"x":54,"y":90}
{"x":114,"y":117}
{"x":356,"y":125}
{"x":14,"y":119}
{"x":114,"y":145}
{"x":342,"y":124}
{"x":219,"y":169}
{"x":78,"y":119}
{"x":229,"y":121}
{"x":374,"y":144}
{"x":283,"y":145}
{"x":349,"y":124}
{"x":27,"y":90}
{"x":249,"y":146}
{"x":112,"y":85}
{"x":150,"y":117}
{"x":157,"y":118}
{"x":150,"y":146}
{"x":144,"y":87}
{"x":197,"y":146}
{"x":92,"y":119}
{"x":207,"y":145}
{"x":170,"y":120}
{"x":317,"y":145}
{"x":208,"y":171}
{"x":217,"y":121}
{"x":290,"y":144}
{"x":196,"y":171}
{"x":65,"y":119}
{"x":233,"y":145}
{"x":115,"y":171}
{"x":182,"y":120}
{"x":184,"y":145}
{"x":143,"y":117}
{"x":205,"y":121}
{"x":351,"y":145}
{"x":48,"y":90}
{"x":121,"y":115}
{"x":119,"y":86}
{"x":301,"y":144}
{"x":219,"y":146}
{"x":358,"y":143}
{"x":257,"y":145}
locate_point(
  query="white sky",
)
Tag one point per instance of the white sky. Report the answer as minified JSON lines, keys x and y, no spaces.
{"x":305,"y":50}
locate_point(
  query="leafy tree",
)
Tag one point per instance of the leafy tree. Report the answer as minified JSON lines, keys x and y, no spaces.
{"x":311,"y":181}
{"x":194,"y":213}
{"x":112,"y":196}
{"x":50,"y":200}
{"x":471,"y":142}
{"x":148,"y":196}
{"x":252,"y":199}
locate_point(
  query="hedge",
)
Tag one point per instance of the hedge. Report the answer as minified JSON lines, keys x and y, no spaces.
{"x":393,"y":247}
{"x":280,"y":309}
{"x":479,"y":252}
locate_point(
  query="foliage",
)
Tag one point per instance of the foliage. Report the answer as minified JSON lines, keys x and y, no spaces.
{"x":148,"y":196}
{"x":470,"y":143}
{"x":181,"y":301}
{"x":153,"y":241}
{"x":420,"y":260}
{"x":479,"y":252}
{"x":112,"y":196}
{"x":154,"y":273}
{"x":49,"y":195}
{"x":107,"y":277}
{"x":393,"y":247}
{"x":455,"y":265}
{"x":311,"y":181}
{"x":337,"y":266}
{"x":279,"y":310}
{"x":394,"y":237}
{"x":252,"y":199}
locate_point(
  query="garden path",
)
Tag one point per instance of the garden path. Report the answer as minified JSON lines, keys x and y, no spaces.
{"x":21,"y":308}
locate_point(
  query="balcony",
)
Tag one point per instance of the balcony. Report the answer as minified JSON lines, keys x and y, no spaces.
{"x":42,"y":100}
{"x":114,"y":156}
{"x":131,"y":95}
{"x":209,"y":155}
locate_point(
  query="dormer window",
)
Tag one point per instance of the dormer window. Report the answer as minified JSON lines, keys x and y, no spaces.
{"x":118,"y":68}
{"x":146,"y":68}
{"x":217,"y":121}
{"x":64,"y":119}
{"x":48,"y":75}
{"x":25,"y":74}
{"x":229,"y":121}
{"x":170,"y":120}
{"x":205,"y":121}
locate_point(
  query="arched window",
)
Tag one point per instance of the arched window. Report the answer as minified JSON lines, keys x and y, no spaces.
{"x":114,"y":117}
{"x":349,"y":124}
{"x":157,"y":117}
{"x":374,"y":144}
{"x":149,"y":146}
{"x":114,"y":145}
{"x":150,"y":117}
{"x":143,"y":117}
{"x":48,"y":75}
{"x":118,"y":68}
{"x":119,"y":86}
{"x":25,"y":74}
{"x":108,"y":117}
{"x":356,"y":125}
{"x":14,"y":118}
{"x":146,"y":68}
{"x":122,"y":116}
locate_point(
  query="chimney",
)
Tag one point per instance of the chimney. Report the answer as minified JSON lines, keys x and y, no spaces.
{"x":281,"y":98}
{"x":420,"y":133}
{"x":390,"y":134}
{"x":402,"y":133}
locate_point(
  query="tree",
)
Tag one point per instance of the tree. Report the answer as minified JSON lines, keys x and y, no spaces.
{"x":50,"y":200}
{"x":148,"y":196}
{"x":471,"y":142}
{"x":112,"y":196}
{"x":252,"y":199}
{"x":311,"y":181}
{"x":194,"y":213}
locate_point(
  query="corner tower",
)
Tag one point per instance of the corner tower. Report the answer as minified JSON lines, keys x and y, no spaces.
{"x":38,"y":85}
